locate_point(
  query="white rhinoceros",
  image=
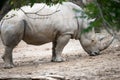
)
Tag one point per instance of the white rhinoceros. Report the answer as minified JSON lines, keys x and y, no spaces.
{"x":42,"y":24}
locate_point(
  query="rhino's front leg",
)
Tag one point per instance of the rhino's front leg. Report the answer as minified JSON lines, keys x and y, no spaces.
{"x":7,"y":57}
{"x":58,"y":46}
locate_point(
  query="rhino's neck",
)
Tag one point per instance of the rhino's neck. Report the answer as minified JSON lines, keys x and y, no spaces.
{"x":77,"y":33}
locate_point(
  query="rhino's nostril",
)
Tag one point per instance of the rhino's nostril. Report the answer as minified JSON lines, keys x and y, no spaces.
{"x":96,"y":53}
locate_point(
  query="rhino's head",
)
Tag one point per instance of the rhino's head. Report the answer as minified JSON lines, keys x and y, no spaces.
{"x":92,"y":45}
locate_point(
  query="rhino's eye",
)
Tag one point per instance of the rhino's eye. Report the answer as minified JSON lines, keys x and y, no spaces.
{"x":93,"y":41}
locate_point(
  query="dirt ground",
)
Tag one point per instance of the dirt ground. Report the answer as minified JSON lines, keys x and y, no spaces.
{"x":35,"y":62}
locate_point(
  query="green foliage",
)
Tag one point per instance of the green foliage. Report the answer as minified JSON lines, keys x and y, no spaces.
{"x":110,"y":13}
{"x":93,"y":12}
{"x":19,"y":3}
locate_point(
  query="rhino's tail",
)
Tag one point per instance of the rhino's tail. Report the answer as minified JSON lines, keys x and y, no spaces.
{"x":25,"y":24}
{"x":1,"y":22}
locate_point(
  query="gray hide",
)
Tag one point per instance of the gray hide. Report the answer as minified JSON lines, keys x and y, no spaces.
{"x":56,"y":24}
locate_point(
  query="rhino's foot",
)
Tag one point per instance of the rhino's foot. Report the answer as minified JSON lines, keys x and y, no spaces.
{"x":9,"y":66}
{"x":60,"y":59}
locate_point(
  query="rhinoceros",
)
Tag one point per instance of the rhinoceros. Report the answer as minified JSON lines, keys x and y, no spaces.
{"x":42,"y":24}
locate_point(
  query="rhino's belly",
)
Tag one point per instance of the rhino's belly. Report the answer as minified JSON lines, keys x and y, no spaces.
{"x":38,"y":39}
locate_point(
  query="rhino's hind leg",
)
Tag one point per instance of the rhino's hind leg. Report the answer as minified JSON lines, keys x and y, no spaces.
{"x":9,"y":42}
{"x":7,"y":57}
{"x":58,"y":46}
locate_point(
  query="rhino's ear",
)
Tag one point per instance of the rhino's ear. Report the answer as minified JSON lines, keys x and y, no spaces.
{"x":91,"y":20}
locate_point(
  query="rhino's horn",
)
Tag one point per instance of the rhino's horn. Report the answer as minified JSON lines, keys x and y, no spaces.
{"x":105,"y":43}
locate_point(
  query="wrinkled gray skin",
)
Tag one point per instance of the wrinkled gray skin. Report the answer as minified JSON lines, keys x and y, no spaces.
{"x":56,"y":27}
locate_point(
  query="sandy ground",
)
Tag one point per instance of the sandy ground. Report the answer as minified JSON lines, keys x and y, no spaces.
{"x":35,"y":62}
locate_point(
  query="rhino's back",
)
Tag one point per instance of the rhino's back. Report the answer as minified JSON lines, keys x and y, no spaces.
{"x":60,"y":16}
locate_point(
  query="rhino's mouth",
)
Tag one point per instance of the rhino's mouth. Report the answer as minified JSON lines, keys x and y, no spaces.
{"x":94,"y":53}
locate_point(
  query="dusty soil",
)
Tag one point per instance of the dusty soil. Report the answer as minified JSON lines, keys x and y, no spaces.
{"x":35,"y":62}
